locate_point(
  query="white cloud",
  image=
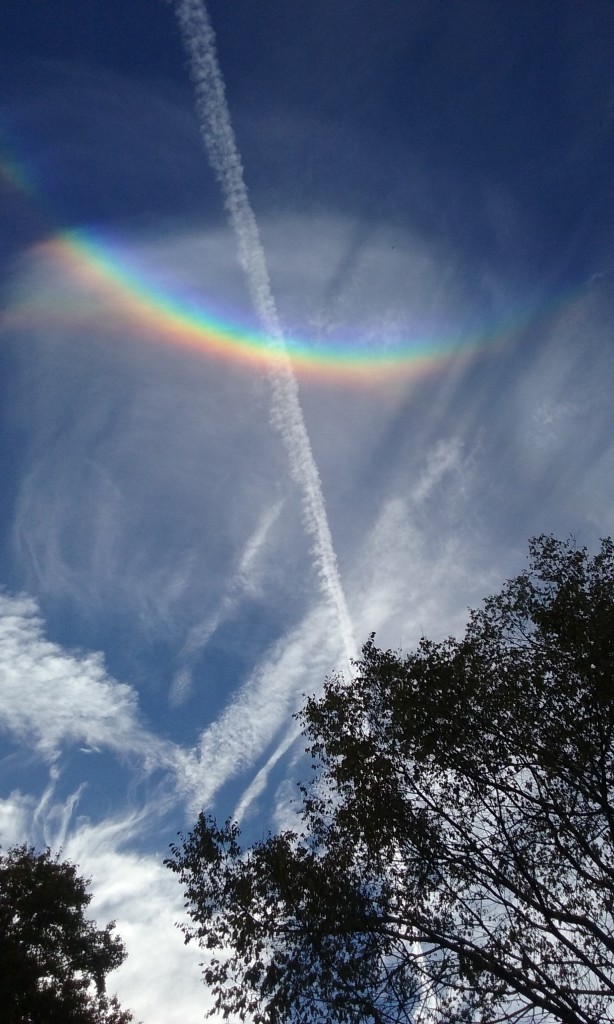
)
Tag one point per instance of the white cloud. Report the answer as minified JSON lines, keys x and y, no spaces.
{"x":260,"y":781}
{"x":423,"y":561}
{"x":246,"y":580}
{"x":247,"y":575}
{"x":254,"y":716}
{"x":160,"y":979}
{"x":446,"y":457}
{"x":15,"y":817}
{"x":49,"y":697}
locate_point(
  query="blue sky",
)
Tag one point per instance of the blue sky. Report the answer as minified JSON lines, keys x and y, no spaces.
{"x":190,"y":539}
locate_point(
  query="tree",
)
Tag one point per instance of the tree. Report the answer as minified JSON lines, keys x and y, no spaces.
{"x":53,"y":960}
{"x":456,"y":857}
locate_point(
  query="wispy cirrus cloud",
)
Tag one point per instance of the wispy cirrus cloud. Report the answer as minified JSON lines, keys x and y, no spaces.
{"x":260,"y":713}
{"x":50,"y":697}
{"x":403,"y":584}
{"x":244,"y":581}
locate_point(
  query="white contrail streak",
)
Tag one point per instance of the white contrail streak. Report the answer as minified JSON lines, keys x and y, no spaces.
{"x":287,"y":416}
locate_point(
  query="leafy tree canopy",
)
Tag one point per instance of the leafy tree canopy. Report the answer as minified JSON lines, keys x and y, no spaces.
{"x":53,"y":960}
{"x":456,"y":857}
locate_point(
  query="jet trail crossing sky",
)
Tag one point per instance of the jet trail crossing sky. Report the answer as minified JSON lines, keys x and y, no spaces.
{"x":287,"y":416}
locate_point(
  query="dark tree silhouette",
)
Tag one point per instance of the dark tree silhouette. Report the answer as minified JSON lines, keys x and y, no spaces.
{"x":53,"y":961}
{"x":456,"y":859}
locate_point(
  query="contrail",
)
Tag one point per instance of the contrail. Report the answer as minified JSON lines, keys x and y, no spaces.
{"x":287,"y":415}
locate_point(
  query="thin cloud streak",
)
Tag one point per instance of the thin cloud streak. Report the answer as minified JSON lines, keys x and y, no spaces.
{"x":254,"y":719}
{"x":243,"y":581}
{"x":260,"y":781}
{"x":287,"y":416}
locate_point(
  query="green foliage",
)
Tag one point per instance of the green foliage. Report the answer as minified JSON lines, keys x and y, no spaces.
{"x":456,"y":861}
{"x":54,"y":961}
